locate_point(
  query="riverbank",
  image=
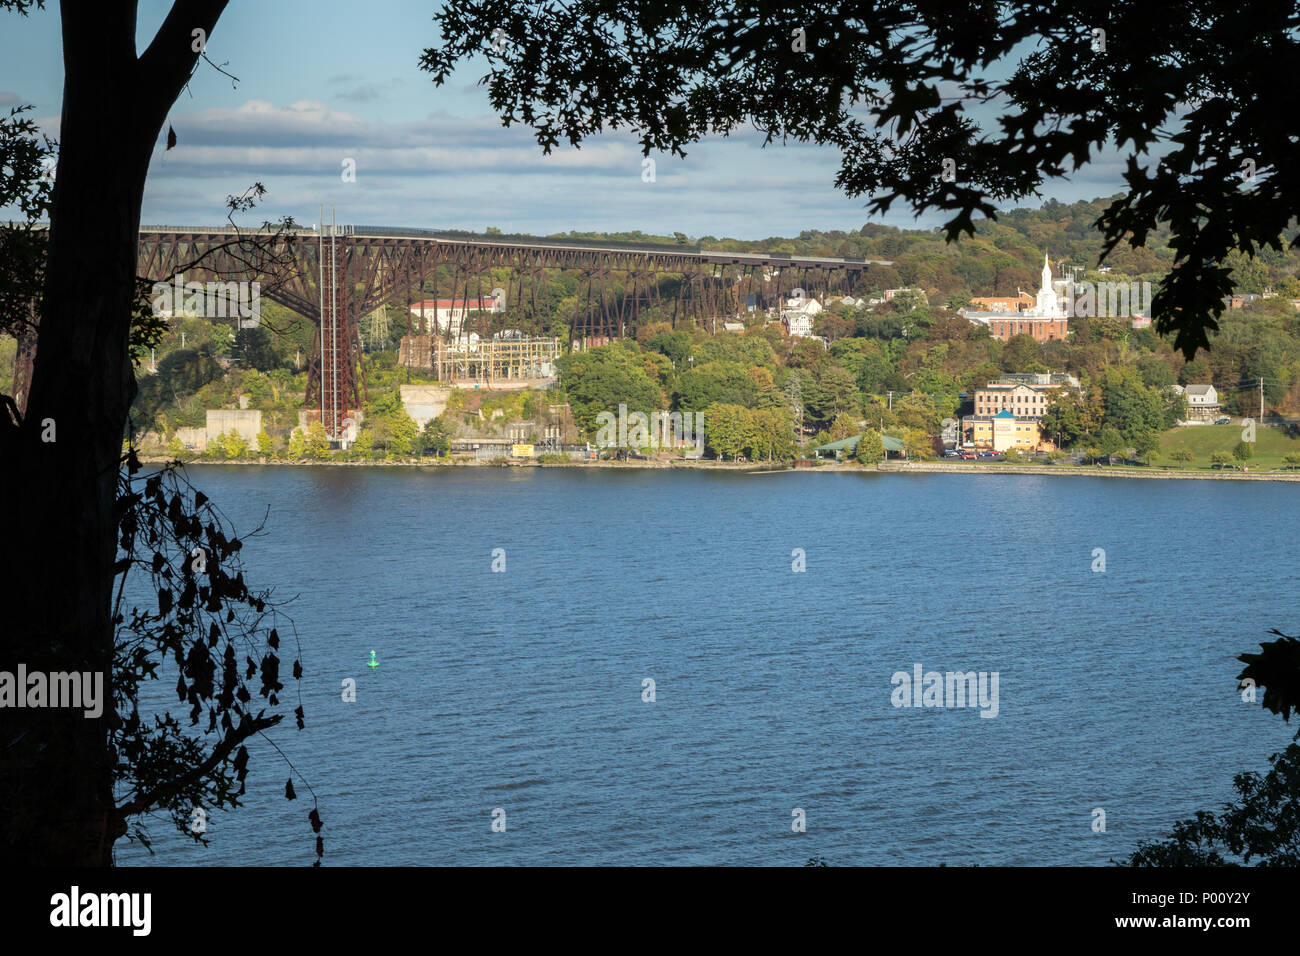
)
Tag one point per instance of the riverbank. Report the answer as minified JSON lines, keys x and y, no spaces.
{"x":926,"y":467}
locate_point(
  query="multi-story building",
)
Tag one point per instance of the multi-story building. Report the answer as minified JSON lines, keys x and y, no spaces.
{"x":1045,"y":320}
{"x":1005,"y":431}
{"x":450,"y":314}
{"x":797,"y":316}
{"x":1008,"y":413}
{"x":1025,"y":394}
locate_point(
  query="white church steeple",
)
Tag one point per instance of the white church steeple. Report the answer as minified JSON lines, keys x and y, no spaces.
{"x":1048,"y":304}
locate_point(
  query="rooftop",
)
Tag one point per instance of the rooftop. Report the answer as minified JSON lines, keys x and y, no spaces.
{"x":851,"y":444}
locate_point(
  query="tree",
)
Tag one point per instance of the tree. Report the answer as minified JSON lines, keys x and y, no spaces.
{"x":59,"y":496}
{"x":907,"y":109}
{"x":778,"y":425}
{"x":229,"y":445}
{"x":1263,"y":823}
{"x":298,"y":444}
{"x":265,"y":444}
{"x":1069,"y":417}
{"x":919,"y":443}
{"x":388,"y":427}
{"x":316,"y":446}
{"x":724,"y":382}
{"x":435,"y":437}
{"x":1146,"y":441}
{"x":843,"y":426}
{"x":831,"y":393}
{"x":600,"y":379}
{"x":1156,"y":372}
{"x":1292,"y":460}
{"x":1220,"y":458}
{"x":728,"y":431}
{"x":1109,"y":442}
{"x":1131,"y":407}
{"x":253,"y":347}
{"x":1180,"y":455}
{"x":675,"y":345}
{"x":871,"y":448}
{"x":1020,"y":352}
{"x":1243,"y":451}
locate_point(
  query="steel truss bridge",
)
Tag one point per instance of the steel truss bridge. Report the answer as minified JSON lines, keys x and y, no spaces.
{"x":337,"y":274}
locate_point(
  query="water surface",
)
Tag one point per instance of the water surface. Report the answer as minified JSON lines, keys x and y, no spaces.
{"x":522,"y":690}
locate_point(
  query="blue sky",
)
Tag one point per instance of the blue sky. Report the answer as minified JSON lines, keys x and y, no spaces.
{"x":324,"y":81}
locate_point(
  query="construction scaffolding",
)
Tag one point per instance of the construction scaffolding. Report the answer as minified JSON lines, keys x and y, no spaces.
{"x":513,"y":359}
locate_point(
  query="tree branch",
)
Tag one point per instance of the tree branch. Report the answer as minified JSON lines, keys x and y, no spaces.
{"x":166,"y":66}
{"x":247,"y":727}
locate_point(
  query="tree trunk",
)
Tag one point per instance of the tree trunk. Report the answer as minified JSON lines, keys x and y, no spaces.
{"x":58,"y":488}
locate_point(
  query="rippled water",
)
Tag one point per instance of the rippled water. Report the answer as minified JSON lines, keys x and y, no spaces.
{"x":522,"y":690}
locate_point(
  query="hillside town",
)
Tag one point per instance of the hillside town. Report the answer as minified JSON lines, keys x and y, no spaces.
{"x":1068,"y":368}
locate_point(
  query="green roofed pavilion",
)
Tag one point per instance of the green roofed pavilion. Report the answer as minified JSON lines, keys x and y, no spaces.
{"x":849,"y":446}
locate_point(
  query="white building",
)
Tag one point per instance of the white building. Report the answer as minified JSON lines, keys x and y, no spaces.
{"x":450,"y":314}
{"x":1202,"y":402}
{"x":797,"y":316}
{"x":1047,"y":320}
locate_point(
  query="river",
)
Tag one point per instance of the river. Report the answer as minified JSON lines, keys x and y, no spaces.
{"x":524,"y":691}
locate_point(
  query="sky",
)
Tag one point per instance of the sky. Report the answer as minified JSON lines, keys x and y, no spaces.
{"x":322,"y":82}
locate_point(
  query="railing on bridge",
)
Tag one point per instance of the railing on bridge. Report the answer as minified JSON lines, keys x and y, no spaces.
{"x":542,"y":242}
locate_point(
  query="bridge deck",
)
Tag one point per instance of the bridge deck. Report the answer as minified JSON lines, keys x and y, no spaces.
{"x":703,"y":256}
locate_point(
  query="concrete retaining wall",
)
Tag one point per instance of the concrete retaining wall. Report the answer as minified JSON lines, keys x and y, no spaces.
{"x":244,"y":422}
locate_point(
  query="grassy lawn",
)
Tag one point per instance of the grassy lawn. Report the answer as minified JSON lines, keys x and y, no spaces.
{"x":1270,"y":445}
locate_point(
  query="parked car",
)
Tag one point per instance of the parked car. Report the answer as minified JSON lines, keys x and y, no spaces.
{"x":952,"y":453}
{"x":968,"y":456}
{"x":1223,"y":421}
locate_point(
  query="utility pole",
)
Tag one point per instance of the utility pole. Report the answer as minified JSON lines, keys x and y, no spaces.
{"x":1261,"y":400}
{"x":891,"y":401}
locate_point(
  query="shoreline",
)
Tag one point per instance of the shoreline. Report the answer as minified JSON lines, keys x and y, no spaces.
{"x":900,"y":468}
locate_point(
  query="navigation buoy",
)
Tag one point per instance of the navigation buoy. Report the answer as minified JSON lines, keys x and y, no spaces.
{"x":372,"y":663}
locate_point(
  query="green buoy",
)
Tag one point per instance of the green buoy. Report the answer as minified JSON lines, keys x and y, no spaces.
{"x":372,"y":663}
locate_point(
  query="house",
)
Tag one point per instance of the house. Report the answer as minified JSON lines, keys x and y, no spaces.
{"x":1238,"y":301}
{"x":797,"y":316}
{"x":913,"y":290}
{"x":1004,"y":431}
{"x":848,"y":447}
{"x":1202,"y":402}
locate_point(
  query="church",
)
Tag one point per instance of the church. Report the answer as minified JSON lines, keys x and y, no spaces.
{"x":1046,"y":320}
